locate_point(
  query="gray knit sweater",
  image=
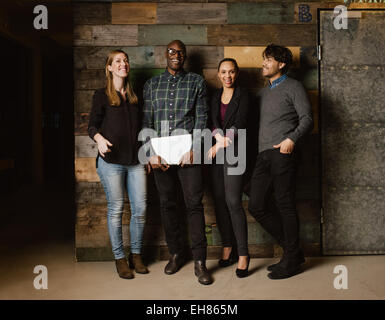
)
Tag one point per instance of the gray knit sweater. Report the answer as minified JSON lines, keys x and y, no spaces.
{"x":285,"y":112}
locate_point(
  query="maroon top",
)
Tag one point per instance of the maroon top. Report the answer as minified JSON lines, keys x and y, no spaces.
{"x":223,"y":112}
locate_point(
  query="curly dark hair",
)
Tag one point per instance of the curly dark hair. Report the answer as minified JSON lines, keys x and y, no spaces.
{"x":280,"y":54}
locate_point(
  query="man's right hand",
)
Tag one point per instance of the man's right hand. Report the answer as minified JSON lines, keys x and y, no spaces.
{"x":157,"y":162}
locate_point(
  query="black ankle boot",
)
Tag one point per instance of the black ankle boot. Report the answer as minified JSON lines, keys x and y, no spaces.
{"x":202,"y":273}
{"x":174,"y":264}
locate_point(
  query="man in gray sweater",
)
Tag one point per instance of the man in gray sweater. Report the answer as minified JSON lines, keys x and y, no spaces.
{"x":285,"y":117}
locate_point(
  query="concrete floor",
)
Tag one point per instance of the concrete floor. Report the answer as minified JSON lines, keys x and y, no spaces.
{"x":38,"y":231}
{"x":99,"y":280}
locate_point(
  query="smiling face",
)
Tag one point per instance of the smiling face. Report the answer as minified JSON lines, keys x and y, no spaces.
{"x":119,"y":66}
{"x":271,"y":68}
{"x":227,"y":74}
{"x":175,"y":55}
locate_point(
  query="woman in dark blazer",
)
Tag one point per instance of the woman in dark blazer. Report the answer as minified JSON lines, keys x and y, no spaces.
{"x":229,"y":112}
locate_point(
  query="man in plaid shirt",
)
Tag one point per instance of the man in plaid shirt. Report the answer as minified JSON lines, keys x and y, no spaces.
{"x":177,"y":99}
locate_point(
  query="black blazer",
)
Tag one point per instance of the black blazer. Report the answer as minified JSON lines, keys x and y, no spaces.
{"x":236,"y":116}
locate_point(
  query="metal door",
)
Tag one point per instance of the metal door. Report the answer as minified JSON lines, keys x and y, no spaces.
{"x":352,"y":91}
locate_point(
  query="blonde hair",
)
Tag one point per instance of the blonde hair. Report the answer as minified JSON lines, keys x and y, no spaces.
{"x":110,"y":89}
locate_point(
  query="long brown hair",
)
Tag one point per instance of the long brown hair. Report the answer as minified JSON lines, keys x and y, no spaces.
{"x":110,"y":89}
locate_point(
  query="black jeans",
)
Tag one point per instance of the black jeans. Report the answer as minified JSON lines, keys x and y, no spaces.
{"x":191,"y":181}
{"x":230,"y":216}
{"x":275,"y":172}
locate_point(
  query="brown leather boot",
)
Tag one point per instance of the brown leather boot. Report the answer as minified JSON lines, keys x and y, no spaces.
{"x":123,"y":270}
{"x":137,"y":263}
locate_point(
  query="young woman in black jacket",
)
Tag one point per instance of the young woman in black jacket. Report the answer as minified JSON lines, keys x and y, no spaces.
{"x":229,"y":112}
{"x":114,"y":124}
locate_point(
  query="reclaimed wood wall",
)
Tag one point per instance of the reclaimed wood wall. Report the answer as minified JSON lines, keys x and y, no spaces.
{"x":211,"y":30}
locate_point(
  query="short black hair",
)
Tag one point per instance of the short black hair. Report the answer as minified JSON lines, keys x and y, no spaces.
{"x":180,"y":43}
{"x":230,"y":60}
{"x":280,"y":54}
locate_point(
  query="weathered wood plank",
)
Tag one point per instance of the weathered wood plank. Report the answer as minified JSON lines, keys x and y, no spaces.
{"x":94,"y":236}
{"x":91,"y":13}
{"x":163,"y":34}
{"x":313,"y":97}
{"x":261,"y":35}
{"x":81,"y":123}
{"x":251,"y":57}
{"x":85,"y":147}
{"x":90,"y":193}
{"x":307,"y":76}
{"x":188,"y":13}
{"x":309,"y":57}
{"x":260,"y":13}
{"x":95,"y":79}
{"x":83,"y":101}
{"x":95,"y":57}
{"x":85,"y":170}
{"x":133,"y":13}
{"x":198,"y":57}
{"x":89,"y":79}
{"x":106,"y":35}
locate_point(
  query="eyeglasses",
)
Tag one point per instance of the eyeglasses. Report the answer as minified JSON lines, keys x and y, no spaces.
{"x":172,"y":52}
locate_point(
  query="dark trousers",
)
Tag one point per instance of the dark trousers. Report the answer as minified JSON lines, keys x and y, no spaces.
{"x":191,"y":181}
{"x":275,"y":172}
{"x":230,"y":216}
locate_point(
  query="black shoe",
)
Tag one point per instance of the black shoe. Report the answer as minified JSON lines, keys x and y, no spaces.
{"x":202,"y":273}
{"x":282,"y":273}
{"x":242,"y":273}
{"x":223,"y":263}
{"x":174,"y":264}
{"x":297,"y":260}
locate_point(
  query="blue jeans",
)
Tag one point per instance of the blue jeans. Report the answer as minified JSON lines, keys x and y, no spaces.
{"x":114,"y":178}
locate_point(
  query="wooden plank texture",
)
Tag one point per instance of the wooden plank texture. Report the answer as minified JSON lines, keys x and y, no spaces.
{"x":309,"y":57}
{"x":313,"y":97}
{"x":192,"y":13}
{"x":91,"y":13}
{"x":133,"y":13}
{"x":83,"y":101}
{"x":89,"y":79}
{"x":95,"y":79}
{"x":163,"y":34}
{"x":251,"y":57}
{"x":106,"y":35}
{"x":85,"y":170}
{"x":261,"y":35}
{"x":81,"y":123}
{"x":85,"y":147}
{"x":198,"y":57}
{"x":95,"y":57}
{"x":260,"y":13}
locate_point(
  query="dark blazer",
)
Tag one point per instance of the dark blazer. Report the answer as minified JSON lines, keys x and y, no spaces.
{"x":236,"y":116}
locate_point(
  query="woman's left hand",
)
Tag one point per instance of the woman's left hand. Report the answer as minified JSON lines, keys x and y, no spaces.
{"x":213,"y":150}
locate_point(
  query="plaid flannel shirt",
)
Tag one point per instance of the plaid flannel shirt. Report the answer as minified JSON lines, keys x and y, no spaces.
{"x":181,"y":100}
